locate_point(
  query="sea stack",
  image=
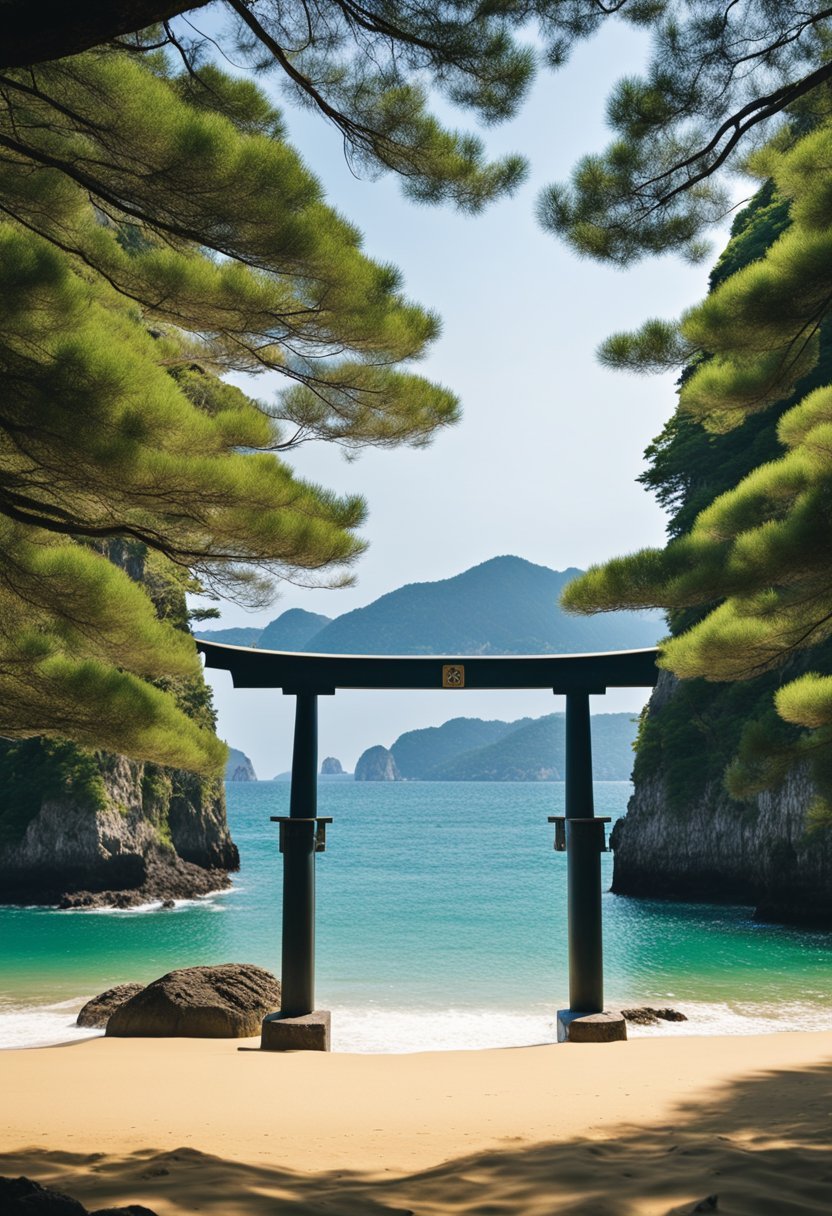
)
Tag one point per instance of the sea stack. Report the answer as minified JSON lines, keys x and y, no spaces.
{"x":377,"y":764}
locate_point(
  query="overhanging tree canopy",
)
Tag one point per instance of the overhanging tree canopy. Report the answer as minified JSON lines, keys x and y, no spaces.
{"x":719,"y":72}
{"x":157,"y":232}
{"x":754,"y":564}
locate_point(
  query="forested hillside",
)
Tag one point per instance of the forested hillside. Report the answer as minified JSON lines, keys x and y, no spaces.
{"x":709,"y":732}
{"x":418,"y":751}
{"x":503,"y":606}
{"x":530,"y":749}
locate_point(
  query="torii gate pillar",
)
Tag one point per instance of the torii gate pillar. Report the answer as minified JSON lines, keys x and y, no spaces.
{"x":299,"y":1026}
{"x":584,"y":839}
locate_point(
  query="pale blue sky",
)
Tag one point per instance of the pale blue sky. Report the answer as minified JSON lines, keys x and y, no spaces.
{"x":544,"y":462}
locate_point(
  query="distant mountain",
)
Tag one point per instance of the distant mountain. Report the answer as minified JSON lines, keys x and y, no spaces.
{"x":504,"y":606}
{"x":322,"y":777}
{"x":232,"y":637}
{"x":293,"y":630}
{"x":530,"y":749}
{"x":239,"y":767}
{"x":418,"y":751}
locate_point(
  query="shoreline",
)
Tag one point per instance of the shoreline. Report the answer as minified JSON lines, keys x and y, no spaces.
{"x":380,"y":1029}
{"x":603,"y":1130}
{"x":366,"y":1030}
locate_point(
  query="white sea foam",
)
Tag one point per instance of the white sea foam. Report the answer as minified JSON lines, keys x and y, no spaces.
{"x":42,"y":1025}
{"x":209,"y":902}
{"x":406,"y":1030}
{"x":377,"y":1029}
{"x":390,"y":1030}
{"x":742,"y":1017}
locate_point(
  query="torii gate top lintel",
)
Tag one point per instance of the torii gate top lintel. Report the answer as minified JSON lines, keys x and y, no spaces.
{"x":297,"y":671}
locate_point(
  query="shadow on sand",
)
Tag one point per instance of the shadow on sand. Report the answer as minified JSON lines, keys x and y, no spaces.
{"x":760,"y":1144}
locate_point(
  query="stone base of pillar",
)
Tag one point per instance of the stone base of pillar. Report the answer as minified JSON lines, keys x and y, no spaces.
{"x":311,"y":1032}
{"x":606,"y":1027}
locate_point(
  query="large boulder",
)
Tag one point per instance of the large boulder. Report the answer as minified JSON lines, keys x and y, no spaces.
{"x":224,"y":1002}
{"x":97,"y":1012}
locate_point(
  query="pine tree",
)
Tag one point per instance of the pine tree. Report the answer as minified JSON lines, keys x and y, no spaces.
{"x":746,"y":572}
{"x":157,"y":233}
{"x":720,"y":73}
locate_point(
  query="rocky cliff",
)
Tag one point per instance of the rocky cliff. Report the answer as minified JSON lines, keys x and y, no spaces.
{"x":712,"y":848}
{"x":81,"y":828}
{"x":125,"y":834}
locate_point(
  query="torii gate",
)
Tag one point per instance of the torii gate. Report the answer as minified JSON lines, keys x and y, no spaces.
{"x":298,"y":1025}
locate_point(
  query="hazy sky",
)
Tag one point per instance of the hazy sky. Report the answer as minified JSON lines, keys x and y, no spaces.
{"x":544,"y":462}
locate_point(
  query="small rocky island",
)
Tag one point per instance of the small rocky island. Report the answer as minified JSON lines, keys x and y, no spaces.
{"x":331,"y":767}
{"x":239,"y":767}
{"x":377,"y":764}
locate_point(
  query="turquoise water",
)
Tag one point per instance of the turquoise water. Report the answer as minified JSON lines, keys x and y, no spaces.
{"x":441,"y":922}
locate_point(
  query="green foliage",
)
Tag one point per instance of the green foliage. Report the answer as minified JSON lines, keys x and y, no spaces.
{"x":745,"y":467}
{"x":719,"y":76}
{"x":34,"y":771}
{"x":707,"y":733}
{"x":754,"y":229}
{"x":159,"y":232}
{"x":155,"y":790}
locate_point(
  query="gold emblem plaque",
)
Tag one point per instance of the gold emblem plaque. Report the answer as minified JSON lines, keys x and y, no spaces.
{"x":453,"y":676}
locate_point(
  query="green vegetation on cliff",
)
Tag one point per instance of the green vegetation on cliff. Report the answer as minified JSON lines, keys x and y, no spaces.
{"x":34,"y":771}
{"x":744,"y":469}
{"x":38,"y":772}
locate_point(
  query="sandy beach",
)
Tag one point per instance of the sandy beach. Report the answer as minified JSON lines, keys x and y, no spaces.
{"x":644,"y":1128}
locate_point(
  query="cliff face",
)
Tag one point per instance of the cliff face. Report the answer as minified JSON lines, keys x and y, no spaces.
{"x":81,"y":828}
{"x":138,"y":833}
{"x":714,"y":849}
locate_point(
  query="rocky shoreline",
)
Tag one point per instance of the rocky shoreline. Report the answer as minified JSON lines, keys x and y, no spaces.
{"x":166,"y":880}
{"x":156,"y":835}
{"x":715,"y":849}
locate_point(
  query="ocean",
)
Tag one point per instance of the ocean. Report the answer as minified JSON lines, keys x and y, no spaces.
{"x":441,"y":924}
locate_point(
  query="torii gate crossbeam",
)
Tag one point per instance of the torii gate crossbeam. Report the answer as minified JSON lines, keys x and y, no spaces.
{"x":303,"y":832}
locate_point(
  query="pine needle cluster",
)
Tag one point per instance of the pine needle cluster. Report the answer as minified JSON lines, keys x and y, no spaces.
{"x":158,"y":232}
{"x":746,"y":578}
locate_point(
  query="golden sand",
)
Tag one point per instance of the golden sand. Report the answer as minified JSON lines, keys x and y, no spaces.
{"x":643,"y":1128}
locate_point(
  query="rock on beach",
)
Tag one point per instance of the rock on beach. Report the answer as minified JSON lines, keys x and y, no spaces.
{"x":97,"y":1012}
{"x":228,"y":1001}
